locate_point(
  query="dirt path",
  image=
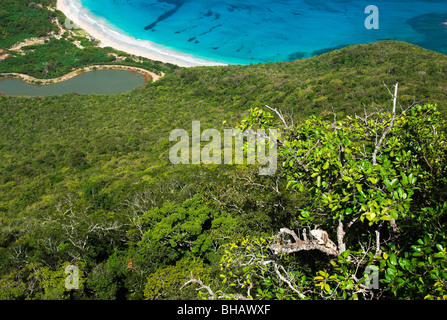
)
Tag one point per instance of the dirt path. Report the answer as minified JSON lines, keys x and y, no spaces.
{"x":28,"y":42}
{"x":17,"y":48}
{"x":77,"y":72}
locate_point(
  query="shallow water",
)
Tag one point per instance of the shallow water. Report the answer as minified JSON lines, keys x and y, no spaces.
{"x":252,"y":31}
{"x":93,"y":82}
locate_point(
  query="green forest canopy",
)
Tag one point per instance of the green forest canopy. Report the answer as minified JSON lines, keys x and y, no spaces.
{"x":86,"y":180}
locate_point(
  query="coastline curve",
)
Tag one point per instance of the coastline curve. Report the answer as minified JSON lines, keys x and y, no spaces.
{"x":99,"y":29}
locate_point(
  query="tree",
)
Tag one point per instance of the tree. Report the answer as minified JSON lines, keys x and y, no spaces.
{"x":375,"y":183}
{"x":167,"y":283}
{"x":174,"y":231}
{"x":39,"y":282}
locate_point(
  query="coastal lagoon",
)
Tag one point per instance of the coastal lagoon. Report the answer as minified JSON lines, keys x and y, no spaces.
{"x":254,"y":31}
{"x":93,"y":82}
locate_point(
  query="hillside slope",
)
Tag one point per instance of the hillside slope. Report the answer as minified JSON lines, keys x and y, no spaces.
{"x":97,"y":155}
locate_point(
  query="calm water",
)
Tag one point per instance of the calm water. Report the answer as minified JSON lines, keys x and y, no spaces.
{"x":235,"y":31}
{"x":93,"y":82}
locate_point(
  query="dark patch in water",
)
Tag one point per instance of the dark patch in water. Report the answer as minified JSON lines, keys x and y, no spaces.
{"x":325,"y":50}
{"x":233,"y":8}
{"x":211,"y":13}
{"x":322,"y":5}
{"x":210,"y":30}
{"x":297,"y":55}
{"x":432,"y":27}
{"x":177,"y":3}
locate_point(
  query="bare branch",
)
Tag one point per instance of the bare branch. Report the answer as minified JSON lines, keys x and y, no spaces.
{"x":388,"y":129}
{"x":280,"y":115}
{"x":378,"y":251}
{"x":289,"y":284}
{"x":291,"y":232}
{"x":202,"y":286}
{"x":301,"y":163}
{"x":326,"y":245}
{"x":211,"y":293}
{"x":340,"y":236}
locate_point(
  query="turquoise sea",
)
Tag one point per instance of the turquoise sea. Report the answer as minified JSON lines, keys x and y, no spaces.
{"x":253,"y":31}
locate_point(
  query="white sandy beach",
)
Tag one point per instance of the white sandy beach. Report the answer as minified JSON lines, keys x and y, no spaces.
{"x":110,"y":38}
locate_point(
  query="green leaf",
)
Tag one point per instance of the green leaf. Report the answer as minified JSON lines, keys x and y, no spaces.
{"x":401,"y":192}
{"x":391,"y":272}
{"x":346,"y":253}
{"x":322,"y":273}
{"x":370,"y":216}
{"x":372,"y":180}
{"x":404,"y":179}
{"x":404,"y":263}
{"x":393,"y":259}
{"x":394,"y":214}
{"x":304,"y":214}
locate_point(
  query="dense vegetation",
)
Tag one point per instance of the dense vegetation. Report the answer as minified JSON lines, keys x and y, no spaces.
{"x":24,"y":19}
{"x":86,"y":181}
{"x":378,"y":184}
{"x":44,"y":61}
{"x":59,"y":54}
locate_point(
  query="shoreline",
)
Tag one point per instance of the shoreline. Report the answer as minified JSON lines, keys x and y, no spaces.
{"x":77,"y":72}
{"x":129,"y":44}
